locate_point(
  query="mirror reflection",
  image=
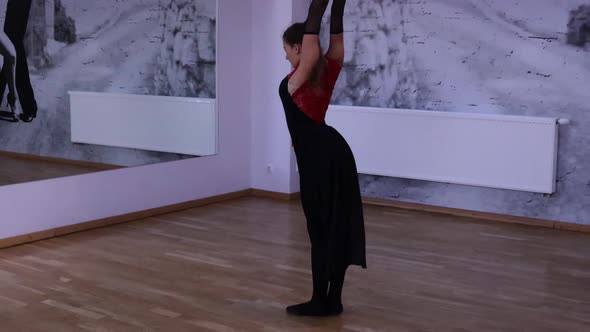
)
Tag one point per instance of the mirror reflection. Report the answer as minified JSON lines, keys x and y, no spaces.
{"x":92,"y":85}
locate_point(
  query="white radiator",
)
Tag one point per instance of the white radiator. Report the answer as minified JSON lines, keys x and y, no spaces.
{"x":497,"y":151}
{"x":155,"y":123}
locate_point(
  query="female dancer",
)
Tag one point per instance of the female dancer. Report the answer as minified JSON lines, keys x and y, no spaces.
{"x":15,"y":27}
{"x":329,"y":184}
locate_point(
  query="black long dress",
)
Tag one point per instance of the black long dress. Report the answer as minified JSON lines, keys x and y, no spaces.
{"x":329,"y":188}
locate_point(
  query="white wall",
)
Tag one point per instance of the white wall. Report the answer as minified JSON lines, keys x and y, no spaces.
{"x":271,"y":143}
{"x":36,"y":206}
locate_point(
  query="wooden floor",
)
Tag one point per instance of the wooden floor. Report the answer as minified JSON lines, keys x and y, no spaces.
{"x":234,"y":266}
{"x":15,"y":170}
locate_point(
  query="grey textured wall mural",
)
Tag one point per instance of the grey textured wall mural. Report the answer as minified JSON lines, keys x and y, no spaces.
{"x":146,"y":47}
{"x":527,"y":57}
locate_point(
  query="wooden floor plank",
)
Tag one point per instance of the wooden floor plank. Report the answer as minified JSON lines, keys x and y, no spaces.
{"x":235,"y":265}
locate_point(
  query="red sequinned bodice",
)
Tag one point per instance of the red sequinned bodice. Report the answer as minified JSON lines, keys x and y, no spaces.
{"x":313,"y":100}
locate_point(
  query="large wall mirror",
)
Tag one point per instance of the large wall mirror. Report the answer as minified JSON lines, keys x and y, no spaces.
{"x":102,"y":84}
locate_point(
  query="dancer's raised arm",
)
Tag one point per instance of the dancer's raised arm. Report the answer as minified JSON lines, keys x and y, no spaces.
{"x":310,"y":48}
{"x":336,"y":48}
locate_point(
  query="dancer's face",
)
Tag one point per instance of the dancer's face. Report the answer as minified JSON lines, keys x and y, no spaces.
{"x":292,"y":54}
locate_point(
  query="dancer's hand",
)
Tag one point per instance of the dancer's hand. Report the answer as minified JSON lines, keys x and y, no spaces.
{"x":316,"y":11}
{"x":337,"y":17}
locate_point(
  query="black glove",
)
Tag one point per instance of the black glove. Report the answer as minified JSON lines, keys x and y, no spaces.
{"x":337,"y":17}
{"x":314,"y":16}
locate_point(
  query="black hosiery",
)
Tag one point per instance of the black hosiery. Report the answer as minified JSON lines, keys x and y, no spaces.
{"x":337,"y":17}
{"x":318,"y":265}
{"x":316,"y":11}
{"x":316,"y":306}
{"x":326,"y":299}
{"x":334,"y":298}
